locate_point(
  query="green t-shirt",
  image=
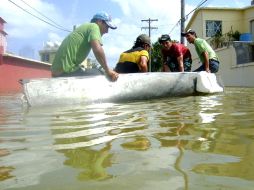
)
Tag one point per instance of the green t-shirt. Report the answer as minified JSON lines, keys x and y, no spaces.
{"x":75,"y":48}
{"x":201,"y":46}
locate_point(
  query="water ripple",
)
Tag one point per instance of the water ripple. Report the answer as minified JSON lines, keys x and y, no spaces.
{"x":178,"y":139}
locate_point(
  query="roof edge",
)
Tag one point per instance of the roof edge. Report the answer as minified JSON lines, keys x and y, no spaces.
{"x":215,"y":8}
{"x":23,"y":58}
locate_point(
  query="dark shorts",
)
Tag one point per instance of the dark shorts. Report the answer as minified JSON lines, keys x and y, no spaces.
{"x":174,"y":66}
{"x":81,"y":72}
{"x":127,"y":67}
{"x":213,"y":66}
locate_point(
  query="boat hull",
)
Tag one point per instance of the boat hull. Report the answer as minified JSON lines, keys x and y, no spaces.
{"x":128,"y":87}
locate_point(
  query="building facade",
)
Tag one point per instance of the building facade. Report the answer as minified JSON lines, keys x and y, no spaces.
{"x":3,"y":42}
{"x":230,"y":31}
{"x":14,"y":68}
{"x":48,"y":53}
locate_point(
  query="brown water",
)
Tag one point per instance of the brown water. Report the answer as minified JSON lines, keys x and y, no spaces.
{"x":196,"y":142}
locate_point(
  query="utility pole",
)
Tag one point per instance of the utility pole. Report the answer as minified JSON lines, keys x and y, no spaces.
{"x":149,"y":29}
{"x":182,"y":20}
{"x":74,"y":27}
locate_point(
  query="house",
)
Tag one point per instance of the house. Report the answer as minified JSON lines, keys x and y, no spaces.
{"x":220,"y":27}
{"x":13,"y":67}
{"x":48,"y":53}
{"x":3,"y":43}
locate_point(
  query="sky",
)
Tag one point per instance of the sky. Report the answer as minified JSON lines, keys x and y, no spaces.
{"x":29,"y":22}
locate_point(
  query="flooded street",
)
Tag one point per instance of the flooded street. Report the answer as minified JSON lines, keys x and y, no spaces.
{"x":185,"y":143}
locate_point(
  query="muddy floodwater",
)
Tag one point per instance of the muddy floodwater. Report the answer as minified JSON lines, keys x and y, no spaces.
{"x":177,"y":143}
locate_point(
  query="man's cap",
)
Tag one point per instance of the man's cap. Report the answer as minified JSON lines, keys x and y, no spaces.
{"x":190,"y":31}
{"x":164,"y":38}
{"x":144,"y":38}
{"x":106,"y":18}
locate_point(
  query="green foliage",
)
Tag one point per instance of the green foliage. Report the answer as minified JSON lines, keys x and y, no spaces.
{"x":236,"y":35}
{"x":156,"y":57}
{"x":217,"y":40}
{"x":233,"y":35}
{"x":218,"y":34}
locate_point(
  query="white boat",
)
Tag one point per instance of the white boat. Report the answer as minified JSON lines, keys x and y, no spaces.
{"x":128,"y":87}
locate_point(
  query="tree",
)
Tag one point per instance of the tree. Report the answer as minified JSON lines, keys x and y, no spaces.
{"x":156,"y":58}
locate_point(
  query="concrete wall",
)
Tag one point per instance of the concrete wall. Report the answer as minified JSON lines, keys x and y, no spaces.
{"x":13,"y":69}
{"x":233,"y":74}
{"x":248,"y":16}
{"x":230,"y":19}
{"x":237,"y":19}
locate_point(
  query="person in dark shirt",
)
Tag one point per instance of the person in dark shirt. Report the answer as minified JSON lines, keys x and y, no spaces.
{"x":135,"y":59}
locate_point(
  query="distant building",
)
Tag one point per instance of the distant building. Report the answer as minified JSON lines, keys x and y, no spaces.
{"x":13,"y":68}
{"x":230,"y":32}
{"x":3,"y":42}
{"x":47,"y":54}
{"x":90,"y":63}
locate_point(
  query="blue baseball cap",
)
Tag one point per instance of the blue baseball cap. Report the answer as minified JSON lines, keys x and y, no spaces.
{"x":105,"y":17}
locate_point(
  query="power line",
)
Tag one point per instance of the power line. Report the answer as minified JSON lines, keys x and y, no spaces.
{"x":42,"y":14}
{"x":198,"y":6}
{"x":54,"y":25}
{"x":149,"y":29}
{"x":186,"y":16}
{"x":149,"y":25}
{"x":182,"y":20}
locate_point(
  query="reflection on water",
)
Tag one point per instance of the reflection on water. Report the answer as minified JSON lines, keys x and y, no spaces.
{"x":196,"y":142}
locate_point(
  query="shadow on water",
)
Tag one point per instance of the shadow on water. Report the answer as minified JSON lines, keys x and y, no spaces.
{"x":196,"y":142}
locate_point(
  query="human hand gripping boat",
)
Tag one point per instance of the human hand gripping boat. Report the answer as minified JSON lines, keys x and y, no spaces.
{"x":128,"y":87}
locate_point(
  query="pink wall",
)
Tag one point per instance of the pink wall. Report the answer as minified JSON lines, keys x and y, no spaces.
{"x":2,"y":21}
{"x":13,"y":69}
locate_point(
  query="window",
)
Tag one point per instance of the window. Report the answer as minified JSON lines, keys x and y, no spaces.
{"x":213,"y":27}
{"x":244,"y":52}
{"x":252,"y":29}
{"x":45,"y":57}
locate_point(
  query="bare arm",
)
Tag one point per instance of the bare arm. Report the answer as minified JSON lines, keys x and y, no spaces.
{"x":180,"y":63}
{"x":143,"y":64}
{"x":206,"y":63}
{"x":165,"y":68}
{"x":101,"y":58}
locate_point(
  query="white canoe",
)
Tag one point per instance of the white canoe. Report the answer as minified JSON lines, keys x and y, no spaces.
{"x":128,"y":87}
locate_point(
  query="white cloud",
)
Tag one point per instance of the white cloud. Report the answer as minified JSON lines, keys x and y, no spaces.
{"x":167,"y":12}
{"x":23,"y":27}
{"x":21,"y":24}
{"x":53,"y":37}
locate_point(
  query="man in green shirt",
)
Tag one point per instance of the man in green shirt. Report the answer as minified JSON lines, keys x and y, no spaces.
{"x":77,"y":45}
{"x":208,"y":57}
